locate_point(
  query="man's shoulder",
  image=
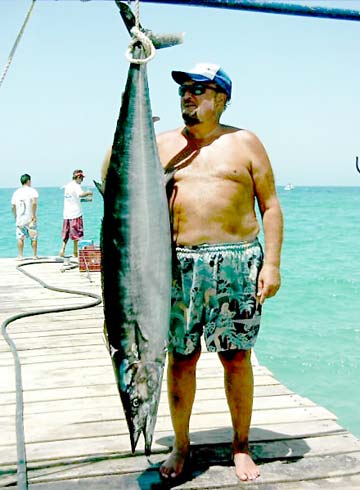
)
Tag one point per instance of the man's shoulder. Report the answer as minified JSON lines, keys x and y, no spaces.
{"x":23,"y":193}
{"x":234,"y":136}
{"x":34,"y":192}
{"x":69,"y":185}
{"x":246,"y":136}
{"x":15,"y":195}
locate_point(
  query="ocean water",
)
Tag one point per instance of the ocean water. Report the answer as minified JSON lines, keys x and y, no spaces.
{"x":310,"y":334}
{"x":50,"y":219}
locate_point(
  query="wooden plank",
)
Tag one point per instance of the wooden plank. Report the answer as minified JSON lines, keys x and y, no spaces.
{"x":92,"y":423}
{"x":34,"y":378}
{"x":146,"y":482}
{"x":110,"y":390}
{"x":212,"y":448}
{"x":50,"y":319}
{"x":206,"y":401}
{"x":317,"y":460}
{"x":101,"y":366}
{"x":207,"y":407}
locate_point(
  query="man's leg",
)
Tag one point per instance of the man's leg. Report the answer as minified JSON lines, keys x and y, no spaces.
{"x":34,"y":248}
{"x":239,"y":387}
{"x":76,"y":243}
{"x":181,"y":394}
{"x":21,"y":248}
{"x":77,"y":233}
{"x":65,"y":236}
{"x":62,"y":250}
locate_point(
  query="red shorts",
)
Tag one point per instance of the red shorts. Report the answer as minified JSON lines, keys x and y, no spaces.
{"x":73,"y":229}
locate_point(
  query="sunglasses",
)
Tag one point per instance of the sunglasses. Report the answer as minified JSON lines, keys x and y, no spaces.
{"x":196,"y":89}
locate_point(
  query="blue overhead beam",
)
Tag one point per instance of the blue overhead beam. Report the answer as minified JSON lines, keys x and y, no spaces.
{"x":269,"y":7}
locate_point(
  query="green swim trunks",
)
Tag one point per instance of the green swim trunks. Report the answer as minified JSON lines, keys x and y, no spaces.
{"x":214,"y":293}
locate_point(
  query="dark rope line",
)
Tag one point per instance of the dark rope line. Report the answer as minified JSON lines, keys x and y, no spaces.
{"x":267,"y":6}
{"x":22,"y":481}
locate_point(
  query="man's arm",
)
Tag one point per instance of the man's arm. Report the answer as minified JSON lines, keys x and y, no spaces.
{"x":34,"y":208}
{"x":269,"y":278}
{"x":13,"y":209}
{"x":85,"y":193}
{"x":272,"y":219}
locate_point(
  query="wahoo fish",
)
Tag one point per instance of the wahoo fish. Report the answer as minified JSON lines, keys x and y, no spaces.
{"x":136,"y":252}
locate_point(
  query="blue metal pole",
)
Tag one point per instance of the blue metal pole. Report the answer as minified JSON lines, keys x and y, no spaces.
{"x":269,"y":7}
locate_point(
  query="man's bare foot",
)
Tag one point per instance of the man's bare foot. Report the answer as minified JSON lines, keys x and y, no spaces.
{"x":245,"y":468}
{"x":174,"y":465}
{"x":61,"y":253}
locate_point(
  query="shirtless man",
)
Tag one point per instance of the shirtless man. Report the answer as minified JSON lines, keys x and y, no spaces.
{"x":221,"y":276}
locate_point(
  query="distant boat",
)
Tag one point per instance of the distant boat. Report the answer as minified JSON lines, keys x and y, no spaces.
{"x":289,"y":187}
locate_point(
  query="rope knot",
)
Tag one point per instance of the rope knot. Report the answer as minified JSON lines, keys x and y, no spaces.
{"x":142,"y":38}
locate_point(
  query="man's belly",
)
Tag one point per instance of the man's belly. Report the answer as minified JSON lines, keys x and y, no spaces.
{"x":202,"y":228}
{"x":212,"y":211}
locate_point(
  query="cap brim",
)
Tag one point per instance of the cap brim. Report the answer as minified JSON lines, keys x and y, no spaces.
{"x":182,"y":76}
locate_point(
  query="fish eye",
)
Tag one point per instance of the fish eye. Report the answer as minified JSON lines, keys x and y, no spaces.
{"x":135,"y":402}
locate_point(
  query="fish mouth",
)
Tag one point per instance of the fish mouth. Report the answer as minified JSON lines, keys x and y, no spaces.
{"x":140,"y":386}
{"x":145,"y":425}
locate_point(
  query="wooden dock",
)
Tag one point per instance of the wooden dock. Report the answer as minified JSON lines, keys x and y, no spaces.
{"x":75,"y":430}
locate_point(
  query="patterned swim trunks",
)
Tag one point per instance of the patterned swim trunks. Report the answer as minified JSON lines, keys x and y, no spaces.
{"x":214,"y":292}
{"x":73,"y":229}
{"x":27,"y":231}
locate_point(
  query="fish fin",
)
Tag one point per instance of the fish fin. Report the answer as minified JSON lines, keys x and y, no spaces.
{"x":127,"y":15}
{"x":165,"y":40}
{"x":99,"y":187}
{"x":159,"y":40}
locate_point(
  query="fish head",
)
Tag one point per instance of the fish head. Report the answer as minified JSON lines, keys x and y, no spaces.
{"x":140,"y":387}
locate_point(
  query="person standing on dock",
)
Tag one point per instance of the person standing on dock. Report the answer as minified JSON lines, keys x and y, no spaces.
{"x":73,"y":225}
{"x":24,"y":207}
{"x":221,"y":277}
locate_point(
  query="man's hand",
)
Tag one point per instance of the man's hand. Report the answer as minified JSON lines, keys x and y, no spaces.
{"x":268,"y":282}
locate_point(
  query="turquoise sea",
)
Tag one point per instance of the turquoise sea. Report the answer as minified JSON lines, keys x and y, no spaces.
{"x":310,"y":334}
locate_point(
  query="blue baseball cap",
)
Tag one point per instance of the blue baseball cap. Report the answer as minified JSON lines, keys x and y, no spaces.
{"x":205,"y":72}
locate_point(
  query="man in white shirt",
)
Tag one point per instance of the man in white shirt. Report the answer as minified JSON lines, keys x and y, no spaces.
{"x":73,"y":226}
{"x":24,"y":207}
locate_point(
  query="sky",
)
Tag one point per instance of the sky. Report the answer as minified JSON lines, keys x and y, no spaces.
{"x":296,"y":84}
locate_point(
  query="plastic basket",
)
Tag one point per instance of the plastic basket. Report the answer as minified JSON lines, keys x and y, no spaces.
{"x":90,"y":259}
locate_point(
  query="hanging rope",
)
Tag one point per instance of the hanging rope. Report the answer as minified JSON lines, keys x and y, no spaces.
{"x":137,"y":13}
{"x":139,"y":37}
{"x":12,"y":52}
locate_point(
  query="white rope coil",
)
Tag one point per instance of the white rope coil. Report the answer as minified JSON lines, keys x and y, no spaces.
{"x":149,"y":49}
